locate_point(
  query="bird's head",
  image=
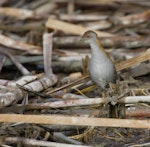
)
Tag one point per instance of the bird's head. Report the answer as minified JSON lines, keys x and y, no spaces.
{"x":89,"y":36}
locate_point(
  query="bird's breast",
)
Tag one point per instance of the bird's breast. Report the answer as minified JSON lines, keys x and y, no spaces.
{"x":102,"y":71}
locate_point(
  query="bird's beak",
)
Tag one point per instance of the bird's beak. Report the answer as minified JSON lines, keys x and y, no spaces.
{"x":82,"y":40}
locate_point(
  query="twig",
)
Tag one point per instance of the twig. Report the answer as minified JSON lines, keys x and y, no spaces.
{"x":20,"y":67}
{"x":34,"y":142}
{"x":67,"y":85}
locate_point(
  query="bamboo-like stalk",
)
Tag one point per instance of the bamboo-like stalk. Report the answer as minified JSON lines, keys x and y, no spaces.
{"x":18,"y":45}
{"x":133,"y":61}
{"x":77,"y":121}
{"x":85,"y":101}
{"x":71,"y":28}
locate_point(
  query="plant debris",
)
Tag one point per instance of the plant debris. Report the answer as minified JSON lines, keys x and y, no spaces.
{"x":47,"y":97}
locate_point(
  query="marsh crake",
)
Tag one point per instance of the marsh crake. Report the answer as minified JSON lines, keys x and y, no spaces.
{"x":102,"y":69}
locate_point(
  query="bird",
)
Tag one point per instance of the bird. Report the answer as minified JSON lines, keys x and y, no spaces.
{"x":101,"y":67}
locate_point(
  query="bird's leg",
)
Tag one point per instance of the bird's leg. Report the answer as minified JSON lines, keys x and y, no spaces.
{"x":107,"y":107}
{"x":113,"y":87}
{"x":103,"y":95}
{"x":111,"y":95}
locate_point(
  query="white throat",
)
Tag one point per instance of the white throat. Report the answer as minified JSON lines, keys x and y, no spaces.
{"x":96,"y":53}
